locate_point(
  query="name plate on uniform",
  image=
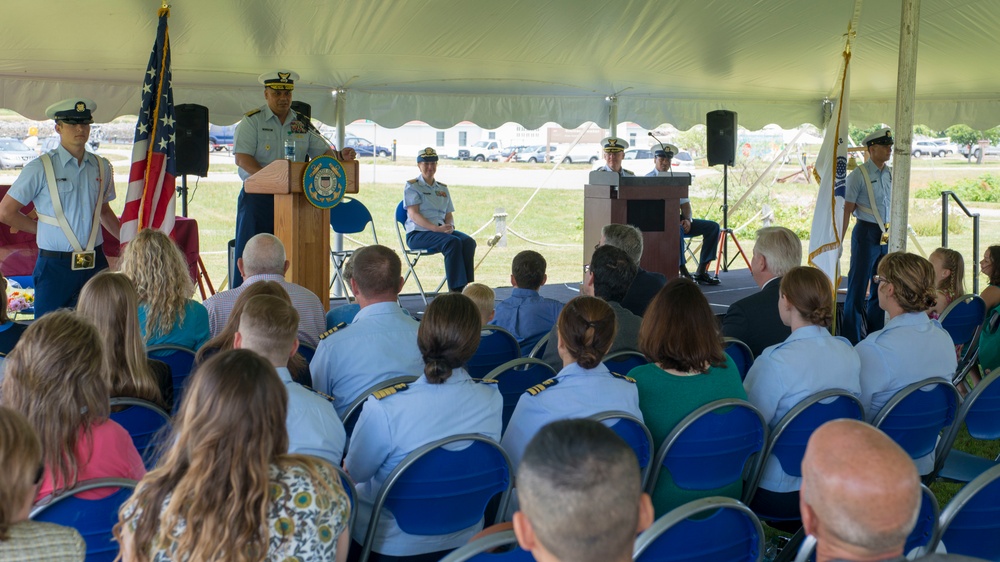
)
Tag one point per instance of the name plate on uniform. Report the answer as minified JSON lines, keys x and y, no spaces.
{"x":83,"y":260}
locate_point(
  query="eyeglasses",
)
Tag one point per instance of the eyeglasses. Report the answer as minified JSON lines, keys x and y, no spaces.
{"x":878,"y":279}
{"x":586,"y":268}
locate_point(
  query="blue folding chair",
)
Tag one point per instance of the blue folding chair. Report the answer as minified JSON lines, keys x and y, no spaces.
{"x":791,"y":434}
{"x":705,"y":530}
{"x":147,"y":424}
{"x":353,"y":410}
{"x":970,"y":523}
{"x":536,"y":352}
{"x":980,"y":412}
{"x":916,"y":415}
{"x":307,"y":352}
{"x":350,"y":216}
{"x":181,"y":362}
{"x":714,"y":446}
{"x":411,"y":256}
{"x":622,"y":362}
{"x":437,"y":490}
{"x":515,"y":377}
{"x":351,"y":489}
{"x":963,"y":320}
{"x":496,"y":347}
{"x":481,"y":550}
{"x":93,"y":519}
{"x":741,"y":354}
{"x":633,"y":432}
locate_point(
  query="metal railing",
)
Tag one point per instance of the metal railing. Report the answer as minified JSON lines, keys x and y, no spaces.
{"x":975,"y":233}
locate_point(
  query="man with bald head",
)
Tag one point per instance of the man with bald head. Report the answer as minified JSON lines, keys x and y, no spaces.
{"x":860,"y":494}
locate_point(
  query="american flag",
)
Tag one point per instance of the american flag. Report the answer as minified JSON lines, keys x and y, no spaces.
{"x":149,"y":202}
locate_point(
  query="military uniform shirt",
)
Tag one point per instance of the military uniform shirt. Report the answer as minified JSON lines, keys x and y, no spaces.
{"x":78,"y":188}
{"x":313,"y":425}
{"x":857,"y":191}
{"x":434,"y":200}
{"x":656,"y":173}
{"x":262,"y":136}
{"x":624,"y":172}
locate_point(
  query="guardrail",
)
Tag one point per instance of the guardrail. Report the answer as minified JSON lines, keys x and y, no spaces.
{"x":945,"y":196}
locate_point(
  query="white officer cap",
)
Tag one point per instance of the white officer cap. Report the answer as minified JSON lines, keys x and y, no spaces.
{"x":665,"y":150}
{"x":73,"y":110}
{"x":614,"y":144}
{"x":881,"y":136}
{"x":279,"y":79}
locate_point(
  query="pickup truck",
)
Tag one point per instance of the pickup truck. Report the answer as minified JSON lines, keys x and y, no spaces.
{"x":220,"y":137}
{"x":991,"y":150}
{"x":480,"y":152}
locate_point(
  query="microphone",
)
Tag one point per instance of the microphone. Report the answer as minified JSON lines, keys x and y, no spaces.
{"x":301,"y":118}
{"x":671,"y":168}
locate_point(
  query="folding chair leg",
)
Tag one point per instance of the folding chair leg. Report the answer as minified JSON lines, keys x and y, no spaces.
{"x":420,"y":287}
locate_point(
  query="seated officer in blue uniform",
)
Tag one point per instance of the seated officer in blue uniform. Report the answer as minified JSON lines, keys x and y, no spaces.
{"x":614,"y":152}
{"x":260,"y":140}
{"x":70,"y":188}
{"x":430,"y":223}
{"x":526,"y":314}
{"x":690,"y":227}
{"x":584,"y":387}
{"x":269,"y":326}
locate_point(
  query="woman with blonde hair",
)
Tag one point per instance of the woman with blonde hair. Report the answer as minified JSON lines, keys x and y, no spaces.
{"x":167,"y":314}
{"x":20,"y":464}
{"x":54,"y":377}
{"x":227,"y":489}
{"x":110,"y":302}
{"x":810,"y":360}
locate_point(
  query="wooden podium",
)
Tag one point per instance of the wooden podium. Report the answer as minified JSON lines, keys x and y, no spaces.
{"x":650,"y":203}
{"x":302,"y":228}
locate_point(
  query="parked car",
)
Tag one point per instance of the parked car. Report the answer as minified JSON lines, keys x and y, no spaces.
{"x":534,"y":154}
{"x":584,"y":152}
{"x":484,"y":150}
{"x":220,"y":137}
{"x":640,"y":161}
{"x":947,"y":145}
{"x":50,"y":143}
{"x":365,"y":147}
{"x":991,"y":150}
{"x":921,"y":148}
{"x":14,"y":153}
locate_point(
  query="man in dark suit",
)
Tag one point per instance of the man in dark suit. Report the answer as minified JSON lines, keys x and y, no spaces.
{"x":754,"y":320}
{"x":647,"y":283}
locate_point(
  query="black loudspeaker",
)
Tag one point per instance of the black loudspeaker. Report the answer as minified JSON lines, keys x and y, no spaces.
{"x":302,"y":108}
{"x":721,"y":131}
{"x":192,"y":139}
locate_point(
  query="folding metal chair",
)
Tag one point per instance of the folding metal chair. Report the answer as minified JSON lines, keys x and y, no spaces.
{"x":980,"y":412}
{"x":181,"y":362}
{"x":633,"y":432}
{"x":350,"y":216}
{"x":351,"y":489}
{"x":916,"y":415}
{"x":410,"y":256}
{"x":970,"y":523}
{"x":93,"y":519}
{"x":707,"y":530}
{"x":515,"y":377}
{"x":741,"y":354}
{"x":496,"y":347}
{"x":963,"y":320}
{"x":435,"y":491}
{"x":147,"y":424}
{"x":353,"y":410}
{"x":307,"y":352}
{"x":622,"y":362}
{"x":539,"y":348}
{"x":480,"y":550}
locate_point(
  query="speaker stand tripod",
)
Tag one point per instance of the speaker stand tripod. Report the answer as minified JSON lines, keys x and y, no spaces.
{"x":182,"y":190}
{"x":722,"y":260}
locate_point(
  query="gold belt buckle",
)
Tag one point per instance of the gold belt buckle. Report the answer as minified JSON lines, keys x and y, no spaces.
{"x":83,"y":260}
{"x":885,"y":235}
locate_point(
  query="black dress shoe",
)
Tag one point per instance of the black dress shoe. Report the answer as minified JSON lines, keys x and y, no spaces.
{"x":683,"y":270}
{"x":704,"y":278}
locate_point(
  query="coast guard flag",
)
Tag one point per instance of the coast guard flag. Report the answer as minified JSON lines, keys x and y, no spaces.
{"x":831,"y":171}
{"x":149,"y":202}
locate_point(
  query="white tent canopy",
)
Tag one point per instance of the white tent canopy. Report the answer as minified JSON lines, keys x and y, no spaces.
{"x":447,"y":61}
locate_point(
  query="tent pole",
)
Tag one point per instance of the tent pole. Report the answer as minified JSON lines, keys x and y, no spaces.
{"x":909,"y":28}
{"x":613,"y":116}
{"x":338,"y":238}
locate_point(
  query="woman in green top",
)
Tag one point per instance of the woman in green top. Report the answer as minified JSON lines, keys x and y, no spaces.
{"x":989,"y":340}
{"x":687,"y":370}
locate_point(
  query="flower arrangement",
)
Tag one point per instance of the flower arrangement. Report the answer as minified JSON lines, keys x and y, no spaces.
{"x":20,"y":299}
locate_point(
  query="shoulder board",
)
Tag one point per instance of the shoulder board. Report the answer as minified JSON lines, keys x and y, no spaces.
{"x":380,"y":394}
{"x":623,"y":377}
{"x":321,"y":394}
{"x":442,"y":184}
{"x":332,"y":330}
{"x":629,"y":171}
{"x":487,"y":381}
{"x":414,"y":180}
{"x":252,"y":112}
{"x":541,"y":386}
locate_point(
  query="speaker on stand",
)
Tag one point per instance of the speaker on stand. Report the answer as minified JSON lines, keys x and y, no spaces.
{"x":191,"y":145}
{"x":721,"y":131}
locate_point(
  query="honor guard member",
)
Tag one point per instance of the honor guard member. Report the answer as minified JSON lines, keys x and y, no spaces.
{"x":70,"y":188}
{"x":690,"y":227}
{"x":868,"y":194}
{"x":614,"y":153}
{"x":259,"y":140}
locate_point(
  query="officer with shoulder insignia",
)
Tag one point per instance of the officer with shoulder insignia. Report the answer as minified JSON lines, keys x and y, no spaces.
{"x":868,"y":196}
{"x":70,"y":188}
{"x":584,"y":387}
{"x":614,"y":153}
{"x":430,"y":223}
{"x":260,"y":140}
{"x":442,"y":403}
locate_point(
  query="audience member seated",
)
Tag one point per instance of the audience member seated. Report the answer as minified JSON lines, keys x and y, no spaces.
{"x":609,"y":276}
{"x":860,"y":495}
{"x":167,"y":314}
{"x":911,"y":347}
{"x":22,"y":540}
{"x":344,"y":313}
{"x":584,"y":387}
{"x":229,"y":476}
{"x":754,"y":320}
{"x":577,"y":476}
{"x":54,"y":377}
{"x":989,"y":339}
{"x":646,"y":283}
{"x":380,"y":344}
{"x":526,"y":314}
{"x":264,"y":260}
{"x":687,"y":370}
{"x":10,"y":331}
{"x":268,"y":326}
{"x":809,"y":361}
{"x":443,"y":402}
{"x":949,"y":278}
{"x":484,"y":298}
{"x":110,"y":302}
